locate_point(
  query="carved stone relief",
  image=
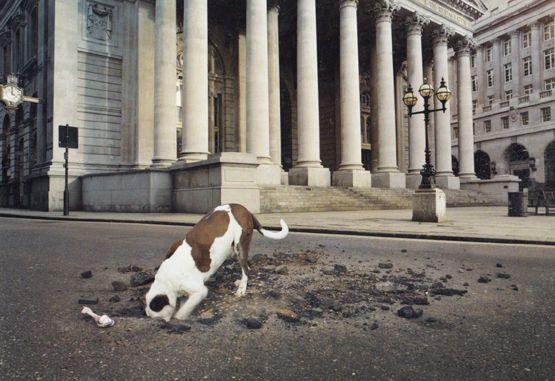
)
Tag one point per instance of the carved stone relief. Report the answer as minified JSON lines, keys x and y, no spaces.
{"x":99,"y":21}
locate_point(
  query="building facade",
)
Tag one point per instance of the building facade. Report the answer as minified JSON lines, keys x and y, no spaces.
{"x":513,"y":93}
{"x":309,"y":93}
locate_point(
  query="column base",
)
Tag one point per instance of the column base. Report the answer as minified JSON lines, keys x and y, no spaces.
{"x":310,"y":176}
{"x":193,"y":157}
{"x":357,"y":178}
{"x":161,"y":163}
{"x":414,"y":180}
{"x":429,"y":205}
{"x":389,"y":180}
{"x":467,"y":178}
{"x":284,"y":178}
{"x":268,"y":174}
{"x":448,"y":182}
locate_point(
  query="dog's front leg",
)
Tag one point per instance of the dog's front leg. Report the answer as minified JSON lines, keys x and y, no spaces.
{"x":192,"y":302}
{"x":242,"y":289}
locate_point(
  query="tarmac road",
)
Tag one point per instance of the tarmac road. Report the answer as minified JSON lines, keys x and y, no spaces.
{"x":491,"y":333}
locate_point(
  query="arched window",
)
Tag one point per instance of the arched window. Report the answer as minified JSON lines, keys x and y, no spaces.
{"x":482,"y":165}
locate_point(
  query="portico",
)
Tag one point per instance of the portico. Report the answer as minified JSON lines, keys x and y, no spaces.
{"x":270,"y":92}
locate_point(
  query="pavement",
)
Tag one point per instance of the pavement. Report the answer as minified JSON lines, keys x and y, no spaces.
{"x":474,"y":224}
{"x":499,"y":330}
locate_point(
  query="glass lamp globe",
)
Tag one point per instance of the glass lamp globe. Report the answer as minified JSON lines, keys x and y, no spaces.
{"x":426,"y":90}
{"x":443,"y":94}
{"x":409,"y":99}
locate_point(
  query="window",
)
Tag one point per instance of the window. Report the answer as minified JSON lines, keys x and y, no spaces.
{"x":487,"y":126}
{"x":528,"y":89}
{"x":506,"y":47}
{"x":505,"y":122}
{"x":524,"y":118}
{"x":491,"y":81}
{"x":548,"y":30}
{"x":474,"y":128}
{"x":33,"y":36}
{"x":490,"y":99}
{"x":508,"y":95}
{"x":7,"y":60}
{"x":455,"y":132}
{"x":473,"y":60}
{"x":546,"y":114}
{"x":526,"y":39}
{"x":19,"y":49}
{"x":474,"y":83}
{"x":549,"y":84}
{"x":527,"y":64}
{"x":474,"y":105}
{"x":508,"y":72}
{"x":549,"y":58}
{"x":489,"y":54}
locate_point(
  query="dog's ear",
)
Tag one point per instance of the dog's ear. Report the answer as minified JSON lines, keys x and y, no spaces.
{"x":159,"y":302}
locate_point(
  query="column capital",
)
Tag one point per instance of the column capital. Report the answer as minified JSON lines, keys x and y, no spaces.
{"x":441,"y":35}
{"x":383,"y":10}
{"x":347,"y":3}
{"x":274,"y":4}
{"x":415,"y":23}
{"x":464,"y":45}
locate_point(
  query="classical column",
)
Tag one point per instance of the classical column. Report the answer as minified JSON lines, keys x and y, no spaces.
{"x":195,"y":81}
{"x":537,"y":56}
{"x":242,"y":91}
{"x":516,"y":62}
{"x":444,"y":171}
{"x":350,"y":172}
{"x":274,"y":84}
{"x":464,"y":102}
{"x":165,"y":118}
{"x":388,"y":175}
{"x":308,"y":169}
{"x":258,"y":104}
{"x":415,"y":69}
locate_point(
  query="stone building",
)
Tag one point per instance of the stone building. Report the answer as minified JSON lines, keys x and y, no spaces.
{"x":513,"y":92}
{"x":184,"y":104}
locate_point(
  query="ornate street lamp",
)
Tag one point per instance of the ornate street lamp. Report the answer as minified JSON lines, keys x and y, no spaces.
{"x":409,"y":99}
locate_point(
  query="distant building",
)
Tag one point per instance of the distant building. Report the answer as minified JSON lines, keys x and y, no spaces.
{"x":513,"y":92}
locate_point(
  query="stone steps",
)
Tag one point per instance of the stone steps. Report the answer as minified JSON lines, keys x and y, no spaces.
{"x":315,"y":199}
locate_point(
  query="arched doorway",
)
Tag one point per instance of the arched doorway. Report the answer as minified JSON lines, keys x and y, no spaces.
{"x":365,"y":130}
{"x":517,"y":157}
{"x":482,"y":165}
{"x":455,"y":165}
{"x":549,"y":157}
{"x":217,"y":83}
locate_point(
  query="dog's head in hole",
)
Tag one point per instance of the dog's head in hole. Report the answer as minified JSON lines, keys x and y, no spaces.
{"x":160,"y":304}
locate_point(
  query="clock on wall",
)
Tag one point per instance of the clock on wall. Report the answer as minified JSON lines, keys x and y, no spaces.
{"x":10,"y":93}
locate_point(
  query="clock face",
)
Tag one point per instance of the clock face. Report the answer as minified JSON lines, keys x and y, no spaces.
{"x":12,"y":94}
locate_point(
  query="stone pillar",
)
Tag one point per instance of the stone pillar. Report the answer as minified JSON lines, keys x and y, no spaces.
{"x":258,"y":111}
{"x":516,"y":62}
{"x":308,"y":170}
{"x":165,"y":118}
{"x":464,"y":102}
{"x":444,"y":171}
{"x":415,"y":68}
{"x":195,"y":81}
{"x":350,"y":172}
{"x":274,"y":84}
{"x":242,"y":89}
{"x":388,"y":175}
{"x":537,"y":56}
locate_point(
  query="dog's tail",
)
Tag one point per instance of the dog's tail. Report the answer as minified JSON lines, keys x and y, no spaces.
{"x":271,"y":234}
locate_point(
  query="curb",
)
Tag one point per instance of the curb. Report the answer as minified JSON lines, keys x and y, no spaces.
{"x":420,"y":236}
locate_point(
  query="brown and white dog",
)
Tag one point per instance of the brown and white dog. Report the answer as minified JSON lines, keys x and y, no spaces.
{"x":190,"y":262}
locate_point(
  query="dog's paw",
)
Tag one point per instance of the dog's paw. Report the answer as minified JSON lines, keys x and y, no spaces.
{"x":240,"y":292}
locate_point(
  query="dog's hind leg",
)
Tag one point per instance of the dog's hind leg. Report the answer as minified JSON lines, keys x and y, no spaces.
{"x":195,"y":297}
{"x":244,"y":247}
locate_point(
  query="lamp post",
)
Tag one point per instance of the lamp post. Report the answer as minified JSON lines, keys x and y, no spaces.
{"x":409,"y":99}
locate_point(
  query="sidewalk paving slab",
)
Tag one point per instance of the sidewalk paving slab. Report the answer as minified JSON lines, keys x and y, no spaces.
{"x":475,"y":224}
